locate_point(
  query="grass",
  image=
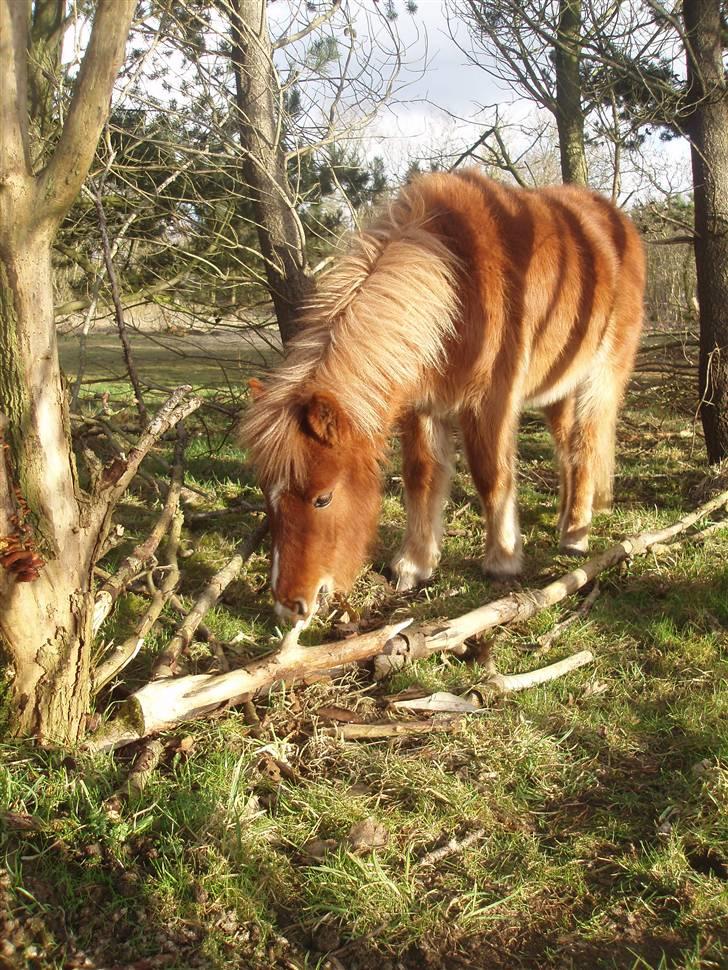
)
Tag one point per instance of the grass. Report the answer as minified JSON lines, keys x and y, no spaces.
{"x":603,"y":797}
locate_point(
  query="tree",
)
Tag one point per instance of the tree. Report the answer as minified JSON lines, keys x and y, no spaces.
{"x":707,"y":125}
{"x":51,"y":531}
{"x":516,"y":42}
{"x":282,"y":241}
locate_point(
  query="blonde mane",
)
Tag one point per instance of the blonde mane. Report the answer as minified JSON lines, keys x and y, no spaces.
{"x":377,"y":320}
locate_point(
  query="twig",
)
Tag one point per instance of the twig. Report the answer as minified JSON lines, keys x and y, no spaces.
{"x":118,"y":311}
{"x":451,"y":847}
{"x":547,"y":641}
{"x":133,"y":564}
{"x":164,"y":664}
{"x":393,"y":729}
{"x":136,"y":781}
{"x":126,"y":651}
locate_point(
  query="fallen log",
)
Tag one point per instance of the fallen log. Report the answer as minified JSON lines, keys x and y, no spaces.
{"x":166,"y":702}
{"x":522,"y":605}
{"x":163,"y":703}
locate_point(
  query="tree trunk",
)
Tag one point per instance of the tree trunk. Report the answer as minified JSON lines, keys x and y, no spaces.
{"x":44,"y":624}
{"x":260,"y":118}
{"x":569,"y":113}
{"x":50,"y":532}
{"x":708,"y":129}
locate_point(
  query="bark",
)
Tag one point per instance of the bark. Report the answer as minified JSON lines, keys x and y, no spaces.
{"x":708,"y":129}
{"x":260,"y":118}
{"x":569,"y":114}
{"x":45,"y":624}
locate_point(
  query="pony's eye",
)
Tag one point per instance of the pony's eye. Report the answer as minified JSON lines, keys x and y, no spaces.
{"x":322,"y":501}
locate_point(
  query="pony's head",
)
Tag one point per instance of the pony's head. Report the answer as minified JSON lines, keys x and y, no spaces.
{"x":323,"y":508}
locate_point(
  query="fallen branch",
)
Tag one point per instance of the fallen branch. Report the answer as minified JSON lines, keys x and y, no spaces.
{"x":163,"y":703}
{"x":506,"y":683}
{"x":133,"y":564}
{"x":392,"y":729}
{"x":124,"y":653}
{"x":547,"y":641}
{"x":164,"y":664}
{"x":521,"y":606}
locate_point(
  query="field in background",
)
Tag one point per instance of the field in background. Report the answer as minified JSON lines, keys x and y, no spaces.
{"x":602,"y":798}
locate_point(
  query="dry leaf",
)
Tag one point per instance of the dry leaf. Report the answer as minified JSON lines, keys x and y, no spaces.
{"x":315,"y":850}
{"x":367,"y":835}
{"x":334,"y":713}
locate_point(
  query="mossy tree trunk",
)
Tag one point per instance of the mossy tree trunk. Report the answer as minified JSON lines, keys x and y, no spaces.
{"x":50,"y":531}
{"x":708,"y":129}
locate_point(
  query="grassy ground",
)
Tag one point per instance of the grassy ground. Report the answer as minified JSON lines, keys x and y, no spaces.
{"x":602,"y":798}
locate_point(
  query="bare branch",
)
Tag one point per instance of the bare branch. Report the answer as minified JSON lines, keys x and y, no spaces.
{"x":60,"y":181}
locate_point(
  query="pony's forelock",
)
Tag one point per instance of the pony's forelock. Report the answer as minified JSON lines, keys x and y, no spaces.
{"x":385,"y":308}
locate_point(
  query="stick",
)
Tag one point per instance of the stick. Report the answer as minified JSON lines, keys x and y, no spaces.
{"x":521,"y":606}
{"x":505,"y":683}
{"x":135,"y":561}
{"x":450,"y":848}
{"x":136,"y":781}
{"x":546,"y":641}
{"x":163,"y":666}
{"x":392,"y":729}
{"x":163,"y":703}
{"x":126,"y":651}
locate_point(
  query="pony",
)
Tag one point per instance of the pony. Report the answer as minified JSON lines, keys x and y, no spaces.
{"x":463,"y":303}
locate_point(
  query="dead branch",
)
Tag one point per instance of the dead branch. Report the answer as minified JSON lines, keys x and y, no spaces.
{"x":451,"y":847}
{"x":118,"y":475}
{"x":123,"y":654}
{"x":547,"y":641}
{"x":506,"y":683}
{"x":133,"y":564}
{"x":163,"y":703}
{"x":164,"y":664}
{"x":393,"y":729}
{"x":521,"y":606}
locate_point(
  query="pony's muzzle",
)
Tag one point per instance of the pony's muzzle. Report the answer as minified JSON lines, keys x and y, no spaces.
{"x":295,"y":609}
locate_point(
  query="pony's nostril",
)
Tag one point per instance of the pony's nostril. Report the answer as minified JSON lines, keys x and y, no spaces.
{"x":300,"y":607}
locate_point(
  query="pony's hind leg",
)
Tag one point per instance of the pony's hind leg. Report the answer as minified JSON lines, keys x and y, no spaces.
{"x":583,"y":427}
{"x":490,"y":443}
{"x":426,"y":470}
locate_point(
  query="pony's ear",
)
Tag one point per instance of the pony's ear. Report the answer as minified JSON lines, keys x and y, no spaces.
{"x":324,"y":419}
{"x":257,"y":388}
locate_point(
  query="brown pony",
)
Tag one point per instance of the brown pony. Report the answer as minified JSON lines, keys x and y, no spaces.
{"x":468,"y":301}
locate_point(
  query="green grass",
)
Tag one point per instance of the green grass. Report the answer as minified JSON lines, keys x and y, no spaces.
{"x":603,"y":797}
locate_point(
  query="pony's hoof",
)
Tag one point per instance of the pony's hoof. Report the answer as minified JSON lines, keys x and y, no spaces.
{"x":575,"y":551}
{"x":406,"y":575}
{"x":500,"y":566}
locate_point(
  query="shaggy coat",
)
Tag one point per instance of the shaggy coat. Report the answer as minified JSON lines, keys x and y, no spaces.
{"x":466,"y":302}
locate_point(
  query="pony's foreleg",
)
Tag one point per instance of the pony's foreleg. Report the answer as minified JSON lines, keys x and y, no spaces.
{"x":490,"y":444}
{"x":426,"y":471}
